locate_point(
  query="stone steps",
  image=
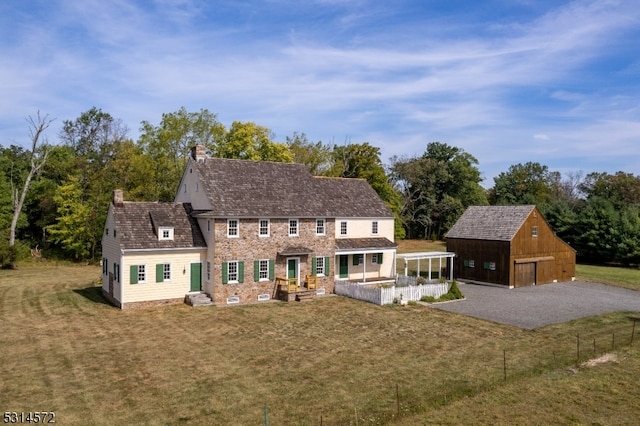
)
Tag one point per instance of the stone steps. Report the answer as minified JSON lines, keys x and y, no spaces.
{"x":198,"y":299}
{"x":305,"y":296}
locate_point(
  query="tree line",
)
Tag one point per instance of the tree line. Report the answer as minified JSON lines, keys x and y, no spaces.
{"x":56,"y":196}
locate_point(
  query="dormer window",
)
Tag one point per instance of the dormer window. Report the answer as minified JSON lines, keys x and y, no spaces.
{"x":165,"y":233}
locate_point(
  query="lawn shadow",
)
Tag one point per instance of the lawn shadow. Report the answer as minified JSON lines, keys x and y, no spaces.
{"x":93,"y":294}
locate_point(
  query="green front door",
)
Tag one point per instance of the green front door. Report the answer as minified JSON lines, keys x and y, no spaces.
{"x":292,"y":268}
{"x":344,"y":266}
{"x":196,"y":277}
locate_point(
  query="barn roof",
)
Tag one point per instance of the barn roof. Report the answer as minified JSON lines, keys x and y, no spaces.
{"x":242,"y":188}
{"x":496,"y":223}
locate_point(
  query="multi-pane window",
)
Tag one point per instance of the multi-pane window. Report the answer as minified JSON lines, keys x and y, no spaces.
{"x":166,"y":272}
{"x":534,"y":231}
{"x":263,"y":225}
{"x":374,"y":227}
{"x":343,"y":228}
{"x":293,"y":227}
{"x":165,"y":233}
{"x":142,"y":273}
{"x":320,"y":266}
{"x":232,"y":228}
{"x":320,"y":227}
{"x":263,"y":270}
{"x":232,"y":271}
{"x":374,"y":258}
{"x":138,"y":274}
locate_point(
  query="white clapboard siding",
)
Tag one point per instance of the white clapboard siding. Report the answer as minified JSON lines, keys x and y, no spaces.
{"x":385,"y":296}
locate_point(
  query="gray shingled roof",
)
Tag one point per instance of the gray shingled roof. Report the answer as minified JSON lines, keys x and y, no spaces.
{"x":137,"y":225}
{"x":241,"y":188}
{"x":497,"y":223}
{"x":364,"y":243}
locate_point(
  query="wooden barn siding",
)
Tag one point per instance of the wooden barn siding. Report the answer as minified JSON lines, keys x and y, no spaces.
{"x":545,"y":244}
{"x":505,"y":254}
{"x":481,"y":251}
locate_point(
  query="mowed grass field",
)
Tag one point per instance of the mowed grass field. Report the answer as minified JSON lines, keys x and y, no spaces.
{"x":335,"y":360}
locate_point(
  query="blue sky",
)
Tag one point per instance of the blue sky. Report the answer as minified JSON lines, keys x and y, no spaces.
{"x":508,"y":81}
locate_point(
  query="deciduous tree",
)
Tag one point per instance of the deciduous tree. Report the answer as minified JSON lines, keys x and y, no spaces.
{"x":38,"y":154}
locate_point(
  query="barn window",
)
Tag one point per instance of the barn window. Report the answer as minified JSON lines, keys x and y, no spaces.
{"x":472,"y":264}
{"x":490,"y":266}
{"x":534,"y":231}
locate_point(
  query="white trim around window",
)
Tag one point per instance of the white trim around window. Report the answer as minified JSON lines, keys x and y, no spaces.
{"x":165,"y":233}
{"x":264,"y":228}
{"x":233,"y":228}
{"x":321,"y":227}
{"x":343,"y":227}
{"x":294,"y":227}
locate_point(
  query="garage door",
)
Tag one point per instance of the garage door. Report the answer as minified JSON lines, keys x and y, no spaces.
{"x":525,"y":274}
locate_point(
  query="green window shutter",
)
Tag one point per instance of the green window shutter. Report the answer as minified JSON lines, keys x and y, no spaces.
{"x":355,"y":259}
{"x":314,"y":265}
{"x":486,"y":265}
{"x":133,"y":274}
{"x":466,"y":263}
{"x":225,"y":272}
{"x":241,"y":271}
{"x":256,"y":270}
{"x":272,"y":270}
{"x":380,"y":258}
{"x":326,"y":265}
{"x":159,"y":272}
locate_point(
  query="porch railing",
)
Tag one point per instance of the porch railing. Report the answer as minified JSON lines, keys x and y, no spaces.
{"x":290,"y":285}
{"x":312,"y":282}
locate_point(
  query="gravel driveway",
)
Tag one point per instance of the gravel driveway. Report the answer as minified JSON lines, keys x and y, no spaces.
{"x":537,"y":306}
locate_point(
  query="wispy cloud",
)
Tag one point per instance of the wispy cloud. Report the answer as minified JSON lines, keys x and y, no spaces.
{"x":548,"y":85}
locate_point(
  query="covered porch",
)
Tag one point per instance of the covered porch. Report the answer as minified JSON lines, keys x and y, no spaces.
{"x":428,"y":258}
{"x":365,"y":260}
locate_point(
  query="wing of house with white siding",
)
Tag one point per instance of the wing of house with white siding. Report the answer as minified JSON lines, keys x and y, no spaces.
{"x":152,"y":252}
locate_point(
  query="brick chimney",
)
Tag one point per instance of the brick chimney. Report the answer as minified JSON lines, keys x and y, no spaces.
{"x":199,"y":153}
{"x":118,"y":197}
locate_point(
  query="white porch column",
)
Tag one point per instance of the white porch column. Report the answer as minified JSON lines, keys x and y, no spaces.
{"x":440,"y":268}
{"x":406,"y":267}
{"x":451,"y":269}
{"x":364,"y":267}
{"x":429,"y":277}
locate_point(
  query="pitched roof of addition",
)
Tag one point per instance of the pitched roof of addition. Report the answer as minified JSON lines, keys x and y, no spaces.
{"x":243,"y":188}
{"x":138,"y":223}
{"x":497,"y":223}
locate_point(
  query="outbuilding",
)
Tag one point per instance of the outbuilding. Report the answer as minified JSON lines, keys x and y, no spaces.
{"x":509,"y":245}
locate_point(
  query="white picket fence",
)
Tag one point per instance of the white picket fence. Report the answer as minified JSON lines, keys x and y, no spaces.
{"x":385,"y":296}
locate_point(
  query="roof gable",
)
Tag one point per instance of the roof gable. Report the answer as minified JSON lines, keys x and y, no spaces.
{"x":496,"y":223}
{"x":242,"y":188}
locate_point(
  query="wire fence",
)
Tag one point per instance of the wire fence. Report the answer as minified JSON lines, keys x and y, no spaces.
{"x":572,"y":352}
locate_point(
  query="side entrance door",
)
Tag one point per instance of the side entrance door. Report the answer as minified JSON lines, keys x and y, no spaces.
{"x":196,"y":277}
{"x":344,"y":266}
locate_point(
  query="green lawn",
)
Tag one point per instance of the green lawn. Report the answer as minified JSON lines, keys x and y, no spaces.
{"x":340,"y":360}
{"x":612,"y":275}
